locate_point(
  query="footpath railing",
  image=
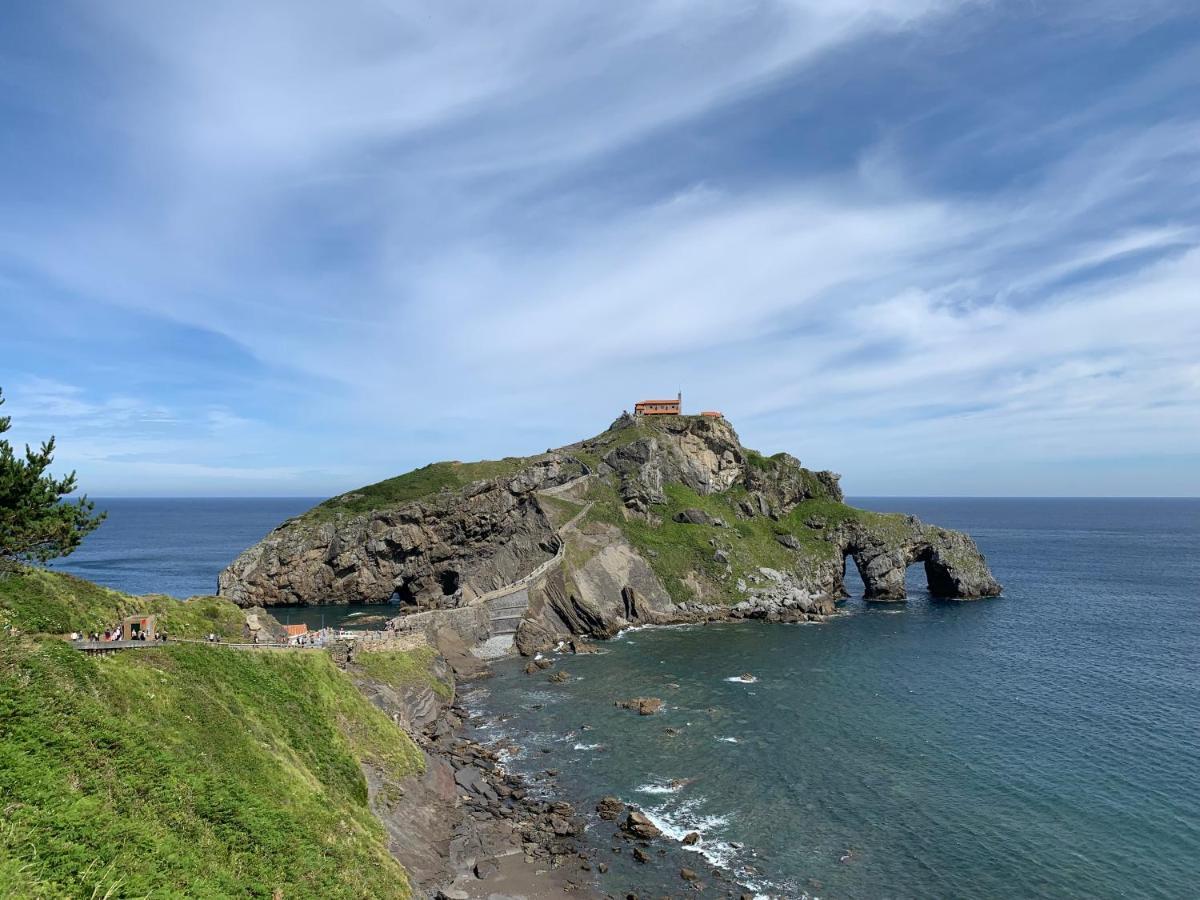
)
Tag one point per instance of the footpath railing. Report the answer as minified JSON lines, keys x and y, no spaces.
{"x":358,"y":637}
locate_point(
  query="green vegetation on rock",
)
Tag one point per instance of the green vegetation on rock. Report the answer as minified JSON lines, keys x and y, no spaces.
{"x":184,"y":770}
{"x":679,"y":552}
{"x":399,"y":668}
{"x":558,"y":510}
{"x":415,"y":485}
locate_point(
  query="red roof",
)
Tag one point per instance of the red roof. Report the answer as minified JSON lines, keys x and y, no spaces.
{"x":293,"y":630}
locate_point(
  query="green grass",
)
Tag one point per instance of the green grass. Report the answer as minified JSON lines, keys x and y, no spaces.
{"x":184,"y":771}
{"x":414,"y":485}
{"x":558,"y":510}
{"x":400,"y":668}
{"x":676,"y":551}
{"x":190,"y":771}
{"x":44,"y":602}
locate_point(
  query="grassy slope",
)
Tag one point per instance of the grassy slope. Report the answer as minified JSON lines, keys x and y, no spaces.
{"x":187,"y":770}
{"x":45,"y":602}
{"x":414,"y":485}
{"x":558,"y":510}
{"x":400,"y":668}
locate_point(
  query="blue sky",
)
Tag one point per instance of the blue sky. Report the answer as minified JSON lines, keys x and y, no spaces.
{"x":289,"y":248}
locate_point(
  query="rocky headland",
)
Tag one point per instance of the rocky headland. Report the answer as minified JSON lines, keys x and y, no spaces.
{"x":656,"y":520}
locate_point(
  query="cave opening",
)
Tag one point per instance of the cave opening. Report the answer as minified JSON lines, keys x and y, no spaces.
{"x":403,"y":595}
{"x":450,"y":582}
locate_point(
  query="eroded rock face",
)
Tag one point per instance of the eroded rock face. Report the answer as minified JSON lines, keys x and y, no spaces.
{"x":807,"y":593}
{"x":702,"y":453}
{"x":613,"y":588}
{"x":437,"y":552}
{"x":954,"y":567}
{"x":705,"y":454}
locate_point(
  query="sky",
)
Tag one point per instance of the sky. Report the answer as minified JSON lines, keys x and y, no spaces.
{"x":287,"y":248}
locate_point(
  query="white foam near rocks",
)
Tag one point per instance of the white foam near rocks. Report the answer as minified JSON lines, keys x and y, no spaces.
{"x":659,"y":788}
{"x":678,"y":822}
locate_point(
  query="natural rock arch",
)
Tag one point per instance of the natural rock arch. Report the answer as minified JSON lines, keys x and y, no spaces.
{"x":954,"y":567}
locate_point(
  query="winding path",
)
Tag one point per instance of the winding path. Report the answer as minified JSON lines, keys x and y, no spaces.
{"x":506,"y":605}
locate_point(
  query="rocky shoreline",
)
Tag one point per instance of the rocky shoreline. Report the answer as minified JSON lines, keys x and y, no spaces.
{"x":490,"y":832}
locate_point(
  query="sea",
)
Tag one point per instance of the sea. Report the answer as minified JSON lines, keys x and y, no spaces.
{"x":1045,"y":743}
{"x":178,"y":546}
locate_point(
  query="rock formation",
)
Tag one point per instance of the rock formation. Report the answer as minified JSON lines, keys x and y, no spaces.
{"x":655,"y":520}
{"x":439,"y":551}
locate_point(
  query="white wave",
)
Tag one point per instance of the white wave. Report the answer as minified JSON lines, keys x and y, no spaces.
{"x":729,"y":740}
{"x":743,"y":679}
{"x":588,"y":746}
{"x":659,"y":788}
{"x":683,"y":819}
{"x":677,"y":821}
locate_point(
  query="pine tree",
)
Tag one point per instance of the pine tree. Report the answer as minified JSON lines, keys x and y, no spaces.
{"x":35,"y":524}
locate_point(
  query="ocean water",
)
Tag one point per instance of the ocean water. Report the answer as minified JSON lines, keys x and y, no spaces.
{"x":1042,"y":744}
{"x":178,"y":546}
{"x":171,"y":545}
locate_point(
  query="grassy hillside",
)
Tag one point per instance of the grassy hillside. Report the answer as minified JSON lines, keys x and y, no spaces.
{"x":42,"y":602}
{"x":185,"y":770}
{"x":414,"y":485}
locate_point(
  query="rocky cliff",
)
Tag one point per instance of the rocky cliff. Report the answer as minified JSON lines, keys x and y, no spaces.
{"x":435,"y":550}
{"x":656,"y":519}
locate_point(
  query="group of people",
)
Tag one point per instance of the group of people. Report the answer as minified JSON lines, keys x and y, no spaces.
{"x":117,"y":634}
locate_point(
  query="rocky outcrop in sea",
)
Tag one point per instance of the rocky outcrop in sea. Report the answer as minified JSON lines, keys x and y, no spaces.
{"x":656,"y":520}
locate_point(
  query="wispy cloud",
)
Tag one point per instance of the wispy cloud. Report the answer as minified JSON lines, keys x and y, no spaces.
{"x":903,"y":239}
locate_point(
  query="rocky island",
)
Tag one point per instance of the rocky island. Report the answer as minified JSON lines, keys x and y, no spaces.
{"x":659,"y":519}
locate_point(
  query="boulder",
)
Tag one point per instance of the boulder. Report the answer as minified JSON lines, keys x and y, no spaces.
{"x":610,"y":808}
{"x":639,"y":826}
{"x":789,"y":540}
{"x":694,"y":517}
{"x":645,"y":706}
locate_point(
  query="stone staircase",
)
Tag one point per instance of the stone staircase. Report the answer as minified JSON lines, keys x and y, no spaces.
{"x":505,"y":612}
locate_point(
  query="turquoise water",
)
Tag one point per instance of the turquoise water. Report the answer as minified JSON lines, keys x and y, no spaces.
{"x":1043,"y":744}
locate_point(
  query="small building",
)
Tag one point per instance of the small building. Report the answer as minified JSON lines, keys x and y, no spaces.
{"x":139,"y":627}
{"x":296,"y":634}
{"x":659,"y":407}
{"x":712,"y":414}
